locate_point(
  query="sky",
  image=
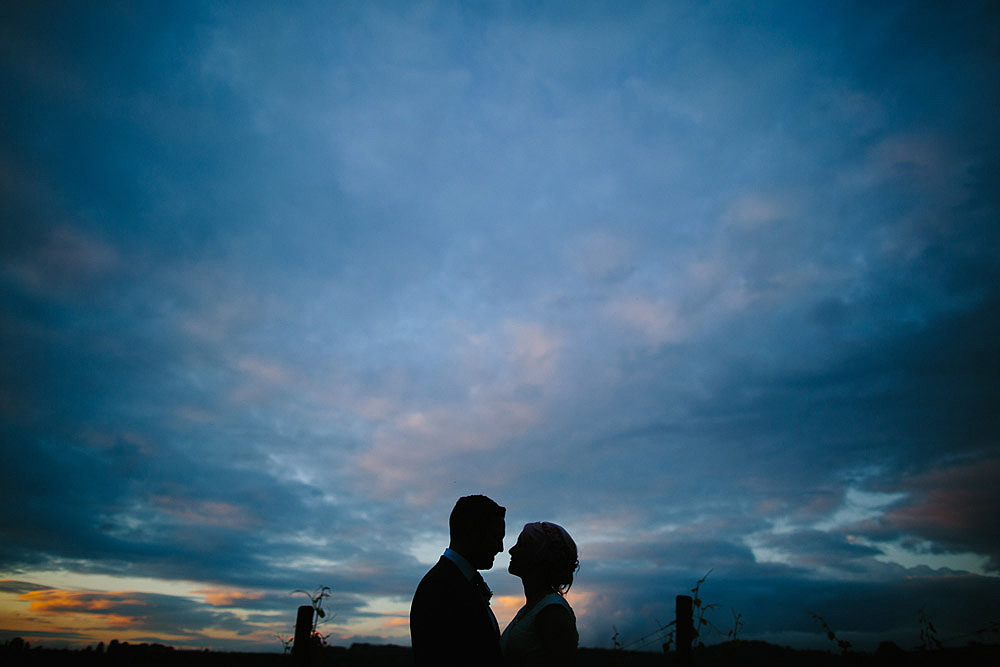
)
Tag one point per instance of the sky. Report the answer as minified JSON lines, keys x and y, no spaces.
{"x":714,"y":286}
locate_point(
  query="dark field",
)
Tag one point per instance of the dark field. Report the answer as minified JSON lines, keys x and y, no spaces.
{"x":367,"y":655}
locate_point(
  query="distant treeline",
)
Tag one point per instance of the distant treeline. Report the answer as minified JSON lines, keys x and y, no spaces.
{"x":16,"y":652}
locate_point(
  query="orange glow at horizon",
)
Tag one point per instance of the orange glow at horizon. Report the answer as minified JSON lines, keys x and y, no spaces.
{"x":84,"y":617}
{"x":61,"y":601}
{"x":64,"y":616}
{"x":505,"y":607}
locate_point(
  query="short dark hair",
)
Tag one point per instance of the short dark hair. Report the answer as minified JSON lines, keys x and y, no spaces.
{"x":471,"y":513}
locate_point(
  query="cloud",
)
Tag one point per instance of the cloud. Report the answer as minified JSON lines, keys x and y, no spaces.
{"x":205,"y":512}
{"x":755,"y":210}
{"x":19,"y":587}
{"x":601,"y":255}
{"x":67,"y":260}
{"x":54,"y":601}
{"x":950,"y":507}
{"x":657,"y":323}
{"x":816,"y":550}
{"x":218,"y":597}
{"x":137,"y":616}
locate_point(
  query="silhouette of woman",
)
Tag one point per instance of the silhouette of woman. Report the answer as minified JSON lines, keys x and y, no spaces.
{"x":544,"y":630}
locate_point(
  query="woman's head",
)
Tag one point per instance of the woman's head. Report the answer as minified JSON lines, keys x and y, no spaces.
{"x":546,"y":551}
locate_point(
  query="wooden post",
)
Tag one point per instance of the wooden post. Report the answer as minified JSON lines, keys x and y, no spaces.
{"x":303,"y":635}
{"x":685,"y":628}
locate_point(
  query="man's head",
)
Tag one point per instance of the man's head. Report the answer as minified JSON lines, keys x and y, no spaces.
{"x":477,"y":529}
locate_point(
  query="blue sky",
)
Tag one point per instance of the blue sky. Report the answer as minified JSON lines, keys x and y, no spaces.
{"x":713,"y":285}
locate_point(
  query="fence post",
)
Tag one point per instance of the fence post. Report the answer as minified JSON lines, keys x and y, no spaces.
{"x":303,"y":635}
{"x":685,"y":629}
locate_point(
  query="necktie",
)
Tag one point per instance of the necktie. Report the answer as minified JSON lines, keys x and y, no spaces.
{"x":480,"y":584}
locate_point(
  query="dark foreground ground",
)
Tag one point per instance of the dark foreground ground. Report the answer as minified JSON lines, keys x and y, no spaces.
{"x":742,"y":653}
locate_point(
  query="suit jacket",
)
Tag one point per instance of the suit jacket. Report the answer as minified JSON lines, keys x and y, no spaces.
{"x":451,"y":623}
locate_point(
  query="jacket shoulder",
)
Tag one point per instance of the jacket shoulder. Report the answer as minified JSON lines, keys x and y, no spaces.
{"x":444,"y":573}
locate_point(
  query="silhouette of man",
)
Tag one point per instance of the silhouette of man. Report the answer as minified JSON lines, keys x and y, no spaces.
{"x":451,"y":622}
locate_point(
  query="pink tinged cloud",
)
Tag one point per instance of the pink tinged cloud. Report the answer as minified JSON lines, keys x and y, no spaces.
{"x":954,"y":507}
{"x":222,"y":597}
{"x":206,"y":512}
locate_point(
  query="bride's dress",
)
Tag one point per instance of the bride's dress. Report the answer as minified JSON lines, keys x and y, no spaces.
{"x":521,"y":639}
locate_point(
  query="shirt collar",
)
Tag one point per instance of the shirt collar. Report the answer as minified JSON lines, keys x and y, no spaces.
{"x":463,"y":565}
